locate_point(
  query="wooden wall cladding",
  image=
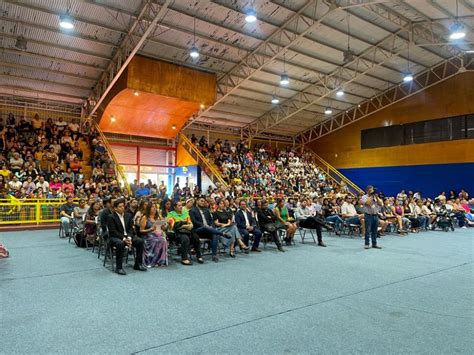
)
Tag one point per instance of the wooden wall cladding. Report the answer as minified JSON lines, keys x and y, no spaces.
{"x":171,"y":80}
{"x":151,"y":97}
{"x":146,"y":115}
{"x":453,"y":97}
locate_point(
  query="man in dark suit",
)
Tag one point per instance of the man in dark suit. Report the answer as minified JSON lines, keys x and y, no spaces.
{"x":247,"y":225}
{"x":203,"y":225}
{"x":121,"y":234}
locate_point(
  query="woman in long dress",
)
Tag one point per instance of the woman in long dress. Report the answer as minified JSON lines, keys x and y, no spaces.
{"x":151,"y":229}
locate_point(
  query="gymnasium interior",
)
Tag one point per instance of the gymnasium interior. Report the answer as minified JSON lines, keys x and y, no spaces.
{"x":236,"y":176}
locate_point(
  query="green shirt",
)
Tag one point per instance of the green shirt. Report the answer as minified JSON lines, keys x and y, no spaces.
{"x":178,"y":217}
{"x":283,"y":213}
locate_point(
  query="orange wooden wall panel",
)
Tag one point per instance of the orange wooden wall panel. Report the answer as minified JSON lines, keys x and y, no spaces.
{"x":183,"y":158}
{"x":166,"y":79}
{"x":451,"y":98}
{"x":147,"y":114}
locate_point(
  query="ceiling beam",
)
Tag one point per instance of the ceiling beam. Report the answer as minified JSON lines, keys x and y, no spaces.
{"x":269,"y":50}
{"x":428,"y":78}
{"x":57,"y":46}
{"x":171,"y":25}
{"x":52,"y":59}
{"x":421,"y":33}
{"x":47,"y":70}
{"x":141,"y":28}
{"x":328,"y":84}
{"x":290,"y":107}
{"x":36,"y":26}
{"x":77,"y":17}
{"x":43,"y":81}
{"x":14,"y":89}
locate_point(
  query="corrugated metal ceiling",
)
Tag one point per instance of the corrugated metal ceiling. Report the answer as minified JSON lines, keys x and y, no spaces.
{"x":66,"y":65}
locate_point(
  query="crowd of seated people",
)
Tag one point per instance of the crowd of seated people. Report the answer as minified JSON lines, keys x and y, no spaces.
{"x":267,"y":172}
{"x":42,"y":158}
{"x":223,"y":219}
{"x":271,"y":193}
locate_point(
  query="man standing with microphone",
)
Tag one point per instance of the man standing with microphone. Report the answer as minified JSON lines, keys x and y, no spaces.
{"x":372,"y":206}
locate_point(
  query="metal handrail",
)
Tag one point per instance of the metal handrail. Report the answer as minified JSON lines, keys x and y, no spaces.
{"x":332,"y":169}
{"x":118,"y":167}
{"x":201,"y":157}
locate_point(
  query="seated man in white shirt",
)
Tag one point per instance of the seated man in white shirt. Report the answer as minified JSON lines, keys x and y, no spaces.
{"x":349,"y":214}
{"x":306,"y":219}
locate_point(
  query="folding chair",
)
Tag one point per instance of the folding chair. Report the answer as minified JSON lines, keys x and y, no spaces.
{"x":109,"y":251}
{"x":303,"y":232}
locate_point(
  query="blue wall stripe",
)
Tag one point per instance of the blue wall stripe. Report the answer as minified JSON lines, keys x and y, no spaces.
{"x":430,"y":180}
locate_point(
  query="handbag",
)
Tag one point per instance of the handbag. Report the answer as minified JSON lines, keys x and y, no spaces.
{"x":270,"y":227}
{"x":178,"y":228}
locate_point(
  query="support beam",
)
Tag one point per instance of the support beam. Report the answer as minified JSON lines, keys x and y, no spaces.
{"x":141,"y":28}
{"x":269,"y":50}
{"x":52,"y":59}
{"x":327,"y":85}
{"x":422,"y":33}
{"x":422,"y":81}
{"x":47,"y":70}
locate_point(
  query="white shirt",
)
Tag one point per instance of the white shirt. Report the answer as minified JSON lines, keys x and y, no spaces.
{"x":123,"y":223}
{"x":204,"y":220}
{"x":348,"y":209}
{"x":247,"y":223}
{"x":15,"y":186}
{"x":44,"y":185}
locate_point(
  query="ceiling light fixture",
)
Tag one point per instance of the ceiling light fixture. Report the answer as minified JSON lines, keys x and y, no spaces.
{"x":251,"y":16}
{"x":284,"y":78}
{"x":456,"y":28}
{"x":457,"y":31}
{"x":275,"y":100}
{"x":202,"y":106}
{"x":112,"y":118}
{"x":348,"y":55}
{"x":173,"y":126}
{"x":66,"y":21}
{"x":136,"y":93}
{"x":327,"y":111}
{"x":470,"y":51}
{"x":194,"y":51}
{"x":408,"y":77}
{"x":21,"y":43}
{"x":340,"y":93}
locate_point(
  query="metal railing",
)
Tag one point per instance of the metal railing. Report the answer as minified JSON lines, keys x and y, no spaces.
{"x":335,"y":175}
{"x":14,"y":211}
{"x":118,"y":167}
{"x":209,"y":168}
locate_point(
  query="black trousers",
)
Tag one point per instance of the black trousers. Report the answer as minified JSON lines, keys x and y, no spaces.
{"x":257,"y":235}
{"x":313,"y":223}
{"x":186,"y":241}
{"x":119,"y":245}
{"x":275,"y":237}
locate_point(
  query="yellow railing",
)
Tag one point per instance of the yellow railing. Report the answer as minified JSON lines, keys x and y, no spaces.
{"x":335,"y":174}
{"x":192,"y":149}
{"x":32,"y":211}
{"x":118,"y":167}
